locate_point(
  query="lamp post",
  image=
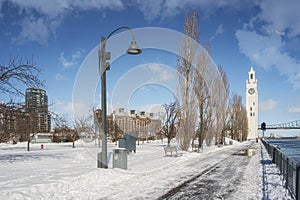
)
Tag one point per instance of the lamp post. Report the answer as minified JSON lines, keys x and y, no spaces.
{"x":103,"y":66}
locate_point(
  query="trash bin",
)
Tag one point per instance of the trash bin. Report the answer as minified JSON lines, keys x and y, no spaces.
{"x":120,"y":158}
{"x":128,"y":141}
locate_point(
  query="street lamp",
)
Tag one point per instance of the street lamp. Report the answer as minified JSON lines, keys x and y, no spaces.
{"x":103,"y":66}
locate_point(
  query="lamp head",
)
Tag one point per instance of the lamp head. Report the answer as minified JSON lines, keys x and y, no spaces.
{"x":133,"y":48}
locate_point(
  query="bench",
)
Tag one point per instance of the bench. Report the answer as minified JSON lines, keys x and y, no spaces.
{"x":170,"y":149}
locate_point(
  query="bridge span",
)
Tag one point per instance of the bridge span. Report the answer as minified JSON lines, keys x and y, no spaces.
{"x":289,"y":125}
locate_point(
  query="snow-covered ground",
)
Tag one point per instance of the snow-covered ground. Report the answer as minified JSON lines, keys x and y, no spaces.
{"x":62,"y":172}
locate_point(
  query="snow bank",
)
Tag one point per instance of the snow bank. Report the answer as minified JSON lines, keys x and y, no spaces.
{"x":62,"y":172}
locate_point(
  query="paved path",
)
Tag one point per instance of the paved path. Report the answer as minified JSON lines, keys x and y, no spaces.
{"x":225,"y":179}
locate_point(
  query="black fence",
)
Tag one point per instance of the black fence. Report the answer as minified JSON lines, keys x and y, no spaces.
{"x":288,"y":167}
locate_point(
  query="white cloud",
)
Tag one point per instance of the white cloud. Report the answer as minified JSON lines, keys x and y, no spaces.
{"x":276,"y":16}
{"x":60,"y":77}
{"x":73,"y":60}
{"x":294,"y":110}
{"x":281,"y":16}
{"x":54,"y":8}
{"x":219,"y":31}
{"x":263,"y":39}
{"x":150,"y":9}
{"x":53,"y":12}
{"x":50,"y":15}
{"x":168,"y":8}
{"x":161,"y":73}
{"x":269,"y":104}
{"x":267,"y":51}
{"x":33,"y":29}
{"x":64,"y":61}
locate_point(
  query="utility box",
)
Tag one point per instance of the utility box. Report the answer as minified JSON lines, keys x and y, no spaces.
{"x":99,"y":159}
{"x":128,"y":142}
{"x":120,"y":158}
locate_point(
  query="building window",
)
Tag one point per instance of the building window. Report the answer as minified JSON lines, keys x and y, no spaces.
{"x":253,"y":114}
{"x":253,"y":103}
{"x":250,"y":108}
{"x":250,"y":114}
{"x":251,"y":76}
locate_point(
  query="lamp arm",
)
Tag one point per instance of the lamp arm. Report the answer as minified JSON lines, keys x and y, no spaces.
{"x":117,"y":29}
{"x":101,"y":50}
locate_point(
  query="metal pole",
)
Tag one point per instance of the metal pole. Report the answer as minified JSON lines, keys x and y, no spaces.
{"x":103,"y":105}
{"x":103,"y":66}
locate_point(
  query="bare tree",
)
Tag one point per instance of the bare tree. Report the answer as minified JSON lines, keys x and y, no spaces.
{"x":171,"y":121}
{"x":203,"y":97}
{"x":83,"y":129}
{"x":62,"y":129}
{"x":244,"y":124}
{"x":159,"y":134}
{"x":221,"y":111}
{"x":143,"y":129}
{"x":186,"y":73}
{"x":17,"y":73}
{"x":32,"y":132}
{"x":237,"y":118}
{"x":12,"y":76}
{"x":113,"y":129}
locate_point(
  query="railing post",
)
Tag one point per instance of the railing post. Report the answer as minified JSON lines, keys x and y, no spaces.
{"x":298,"y":182}
{"x":287,"y":173}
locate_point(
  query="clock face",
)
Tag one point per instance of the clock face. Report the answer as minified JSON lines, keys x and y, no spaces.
{"x":251,"y":91}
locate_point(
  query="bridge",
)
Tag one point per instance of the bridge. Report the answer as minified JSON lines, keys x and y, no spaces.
{"x":289,"y":125}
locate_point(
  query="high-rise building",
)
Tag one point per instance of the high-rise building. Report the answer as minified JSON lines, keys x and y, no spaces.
{"x":36,"y":104}
{"x":252,"y":105}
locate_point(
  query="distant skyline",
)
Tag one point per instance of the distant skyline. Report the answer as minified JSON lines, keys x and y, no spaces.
{"x":60,"y":35}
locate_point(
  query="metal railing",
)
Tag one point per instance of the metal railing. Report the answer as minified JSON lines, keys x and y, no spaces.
{"x":289,"y":169}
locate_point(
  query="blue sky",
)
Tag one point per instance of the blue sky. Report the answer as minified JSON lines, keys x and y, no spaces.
{"x":62,"y":34}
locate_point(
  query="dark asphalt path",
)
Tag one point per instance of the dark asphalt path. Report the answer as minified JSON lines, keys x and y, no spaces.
{"x":217,"y":181}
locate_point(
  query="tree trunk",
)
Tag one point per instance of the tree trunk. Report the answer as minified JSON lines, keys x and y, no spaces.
{"x":169,"y":141}
{"x":28,"y":145}
{"x":200,"y":137}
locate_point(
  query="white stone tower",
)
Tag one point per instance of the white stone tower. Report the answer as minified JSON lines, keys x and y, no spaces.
{"x":252,"y":105}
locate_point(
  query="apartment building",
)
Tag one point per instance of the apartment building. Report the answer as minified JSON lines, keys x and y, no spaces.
{"x":122,"y":120}
{"x":36,"y":104}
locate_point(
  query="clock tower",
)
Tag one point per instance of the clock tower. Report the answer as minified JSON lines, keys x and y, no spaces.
{"x":252,"y":105}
